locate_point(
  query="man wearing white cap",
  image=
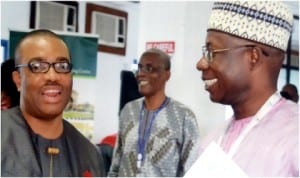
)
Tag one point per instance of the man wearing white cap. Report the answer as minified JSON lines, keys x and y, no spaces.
{"x":242,"y":56}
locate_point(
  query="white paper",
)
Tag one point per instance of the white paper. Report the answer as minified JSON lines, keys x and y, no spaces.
{"x":214,"y":162}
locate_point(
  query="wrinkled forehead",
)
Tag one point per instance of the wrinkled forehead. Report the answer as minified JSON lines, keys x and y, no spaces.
{"x":44,"y":47}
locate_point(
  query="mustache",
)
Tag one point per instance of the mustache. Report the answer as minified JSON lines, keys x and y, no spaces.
{"x":52,"y":83}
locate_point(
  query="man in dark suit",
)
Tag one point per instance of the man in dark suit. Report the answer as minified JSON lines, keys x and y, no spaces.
{"x":35,"y":139}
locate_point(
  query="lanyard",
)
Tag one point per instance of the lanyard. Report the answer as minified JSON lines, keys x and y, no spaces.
{"x":254,"y":121}
{"x":142,"y":140}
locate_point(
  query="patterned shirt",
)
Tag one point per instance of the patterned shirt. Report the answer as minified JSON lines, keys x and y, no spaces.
{"x":172,"y":146}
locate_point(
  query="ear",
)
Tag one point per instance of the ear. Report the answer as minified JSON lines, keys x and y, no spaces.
{"x":17,"y":79}
{"x":168,"y":75}
{"x":254,"y":55}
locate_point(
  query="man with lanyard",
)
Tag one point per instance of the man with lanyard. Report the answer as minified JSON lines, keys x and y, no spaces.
{"x":157,"y":135}
{"x":242,"y":56}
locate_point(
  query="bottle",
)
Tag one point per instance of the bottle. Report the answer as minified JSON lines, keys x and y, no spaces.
{"x":134,"y":66}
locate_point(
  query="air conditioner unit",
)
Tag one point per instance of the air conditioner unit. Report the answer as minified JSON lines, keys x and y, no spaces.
{"x":55,"y":16}
{"x":110,"y":28}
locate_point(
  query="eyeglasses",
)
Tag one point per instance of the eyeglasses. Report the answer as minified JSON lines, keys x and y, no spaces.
{"x":43,"y":67}
{"x":209,"y":54}
{"x":147,"y":68}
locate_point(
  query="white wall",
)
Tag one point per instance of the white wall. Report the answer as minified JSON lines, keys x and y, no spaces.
{"x":10,"y":19}
{"x":182,"y":22}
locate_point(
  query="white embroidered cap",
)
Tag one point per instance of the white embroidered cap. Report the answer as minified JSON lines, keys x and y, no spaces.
{"x":269,"y":22}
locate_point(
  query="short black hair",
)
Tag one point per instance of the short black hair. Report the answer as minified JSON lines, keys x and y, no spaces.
{"x":291,"y":96}
{"x":38,"y":32}
{"x":7,"y":84}
{"x":162,"y":55}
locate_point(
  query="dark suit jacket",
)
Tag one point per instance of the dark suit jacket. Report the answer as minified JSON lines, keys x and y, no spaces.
{"x":18,"y":157}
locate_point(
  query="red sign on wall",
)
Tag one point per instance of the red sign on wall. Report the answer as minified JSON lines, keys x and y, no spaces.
{"x":166,"y":46}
